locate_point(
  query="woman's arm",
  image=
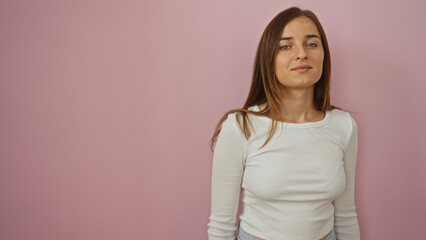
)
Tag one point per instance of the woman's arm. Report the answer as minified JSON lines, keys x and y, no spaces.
{"x":227,"y":172}
{"x":345,"y":216}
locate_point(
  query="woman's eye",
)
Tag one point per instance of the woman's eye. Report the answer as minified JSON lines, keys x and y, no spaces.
{"x":285,"y":47}
{"x":311,"y":45}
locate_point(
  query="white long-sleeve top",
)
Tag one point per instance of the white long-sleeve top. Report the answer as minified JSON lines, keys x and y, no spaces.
{"x":298,"y":186}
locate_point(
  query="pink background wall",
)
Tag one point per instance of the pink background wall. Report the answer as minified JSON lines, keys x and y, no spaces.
{"x":107,"y":108}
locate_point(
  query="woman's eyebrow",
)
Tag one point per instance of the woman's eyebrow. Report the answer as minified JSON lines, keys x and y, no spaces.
{"x":306,"y":36}
{"x":312,"y":36}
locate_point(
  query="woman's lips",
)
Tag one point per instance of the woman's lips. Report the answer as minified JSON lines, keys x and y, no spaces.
{"x":301,"y":68}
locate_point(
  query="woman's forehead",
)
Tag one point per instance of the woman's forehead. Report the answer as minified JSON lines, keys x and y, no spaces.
{"x":300,"y":26}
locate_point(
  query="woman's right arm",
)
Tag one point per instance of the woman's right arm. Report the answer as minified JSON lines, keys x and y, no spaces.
{"x":227,"y":172}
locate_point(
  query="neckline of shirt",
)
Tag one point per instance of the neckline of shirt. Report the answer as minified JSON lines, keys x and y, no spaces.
{"x":319,"y":123}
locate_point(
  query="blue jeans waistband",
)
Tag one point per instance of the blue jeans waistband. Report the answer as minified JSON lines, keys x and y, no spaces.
{"x":243,"y":235}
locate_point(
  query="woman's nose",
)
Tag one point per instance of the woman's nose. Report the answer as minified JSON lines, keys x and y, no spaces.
{"x":301,"y":53}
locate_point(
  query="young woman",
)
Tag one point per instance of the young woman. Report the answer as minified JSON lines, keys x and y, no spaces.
{"x":290,"y":154}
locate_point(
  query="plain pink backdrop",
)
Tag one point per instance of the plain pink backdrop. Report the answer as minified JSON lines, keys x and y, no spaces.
{"x":107,"y":109}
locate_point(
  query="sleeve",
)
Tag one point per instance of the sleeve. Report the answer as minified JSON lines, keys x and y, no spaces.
{"x":227,"y":172}
{"x":345,"y":217}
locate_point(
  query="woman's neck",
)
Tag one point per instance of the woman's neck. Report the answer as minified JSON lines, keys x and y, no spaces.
{"x":298,"y":106}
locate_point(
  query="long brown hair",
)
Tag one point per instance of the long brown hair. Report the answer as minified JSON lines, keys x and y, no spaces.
{"x":265,"y":87}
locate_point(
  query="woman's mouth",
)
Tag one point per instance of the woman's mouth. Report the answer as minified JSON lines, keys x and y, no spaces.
{"x":302,"y":68}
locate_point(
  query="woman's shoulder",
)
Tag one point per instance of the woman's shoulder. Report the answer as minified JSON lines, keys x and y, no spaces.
{"x":231,"y":122}
{"x":341,"y":114}
{"x":343,"y":119}
{"x":230,"y":130}
{"x":235,"y":122}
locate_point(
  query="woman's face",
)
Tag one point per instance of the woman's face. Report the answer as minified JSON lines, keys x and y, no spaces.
{"x":299,"y":60}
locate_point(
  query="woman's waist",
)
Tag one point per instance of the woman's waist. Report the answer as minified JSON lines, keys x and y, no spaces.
{"x":276,"y":231}
{"x":323,"y":238}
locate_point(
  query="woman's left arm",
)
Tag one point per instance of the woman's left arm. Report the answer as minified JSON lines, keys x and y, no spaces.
{"x":345,"y":216}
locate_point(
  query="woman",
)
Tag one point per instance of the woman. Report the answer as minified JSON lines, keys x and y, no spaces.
{"x":290,"y":154}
